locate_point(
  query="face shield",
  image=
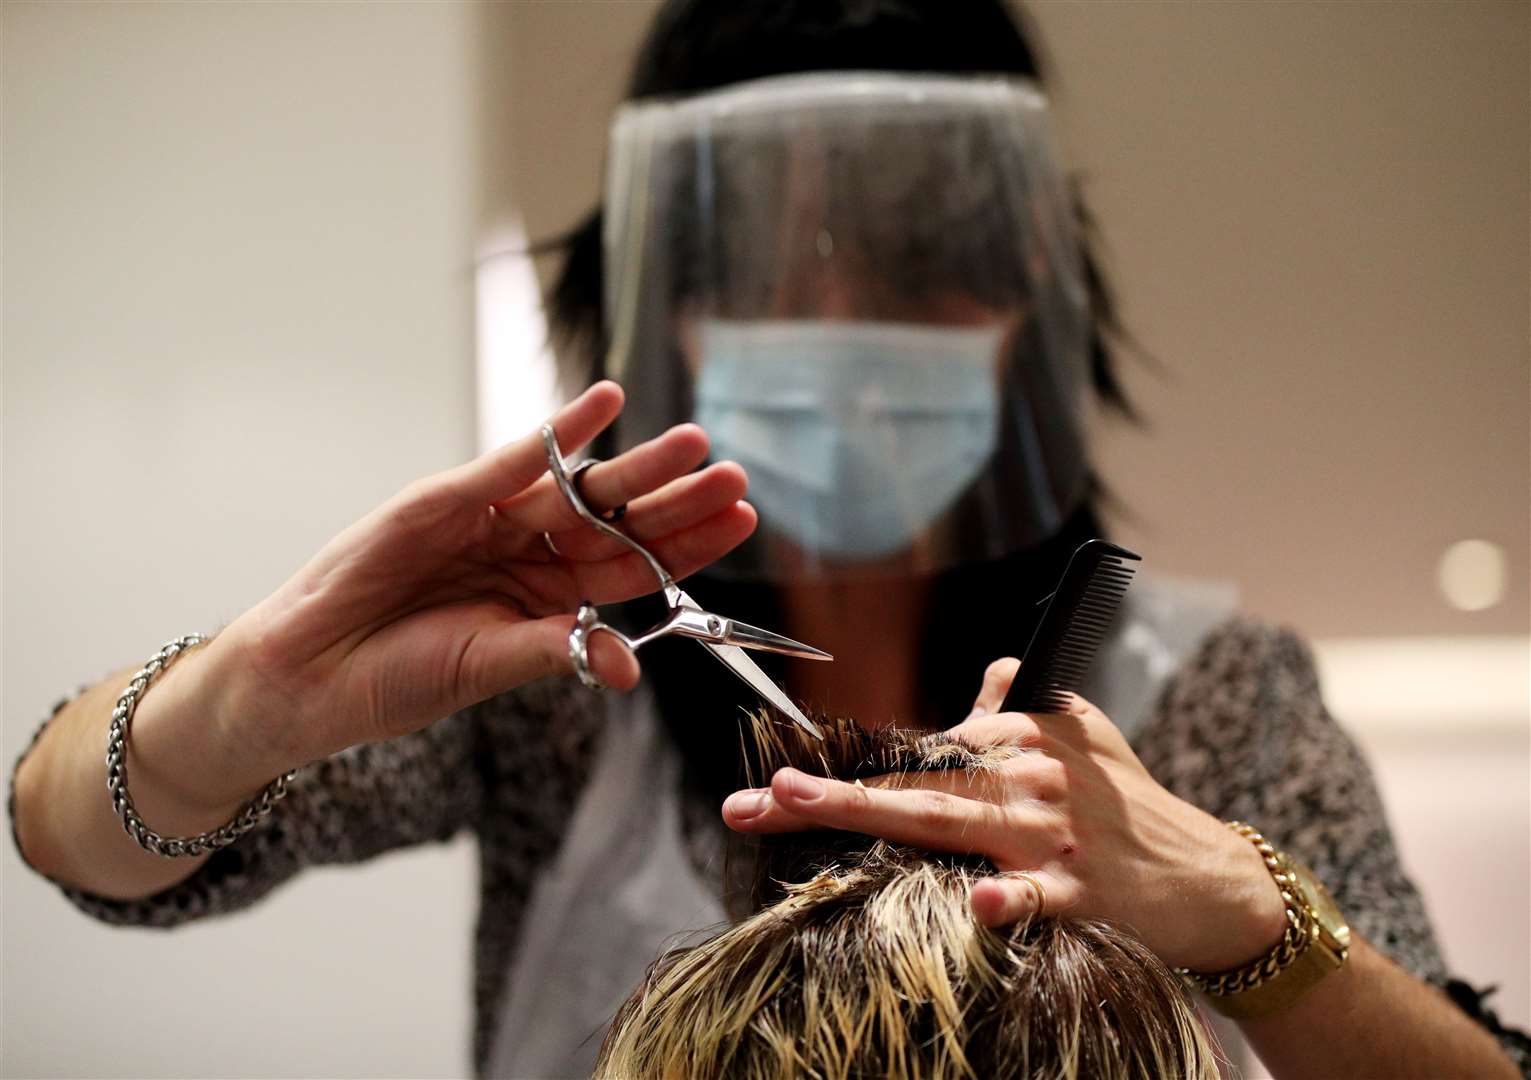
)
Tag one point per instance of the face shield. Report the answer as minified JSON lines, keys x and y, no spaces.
{"x":867,"y":288}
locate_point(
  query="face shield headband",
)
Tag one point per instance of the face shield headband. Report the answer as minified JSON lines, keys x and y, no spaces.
{"x":867,"y":288}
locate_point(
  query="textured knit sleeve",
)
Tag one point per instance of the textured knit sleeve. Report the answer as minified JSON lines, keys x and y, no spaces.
{"x":1242,"y":732}
{"x":365,"y":800}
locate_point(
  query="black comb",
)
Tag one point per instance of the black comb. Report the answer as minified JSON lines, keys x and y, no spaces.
{"x":1079,"y":612}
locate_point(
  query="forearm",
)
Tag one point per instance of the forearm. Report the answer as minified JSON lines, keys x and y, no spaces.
{"x":1373,"y":1019}
{"x":189,"y":769}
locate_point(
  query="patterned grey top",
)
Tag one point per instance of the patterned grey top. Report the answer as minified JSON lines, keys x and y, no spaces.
{"x":1240,"y":730}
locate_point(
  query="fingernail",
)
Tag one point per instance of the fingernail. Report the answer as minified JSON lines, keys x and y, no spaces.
{"x":804,"y":787}
{"x":747,"y":804}
{"x":978,"y":710}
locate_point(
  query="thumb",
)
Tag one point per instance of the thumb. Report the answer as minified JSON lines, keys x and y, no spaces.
{"x":996,"y":683}
{"x":520,"y":653}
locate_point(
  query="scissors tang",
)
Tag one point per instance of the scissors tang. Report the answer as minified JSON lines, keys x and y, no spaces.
{"x":689,"y":619}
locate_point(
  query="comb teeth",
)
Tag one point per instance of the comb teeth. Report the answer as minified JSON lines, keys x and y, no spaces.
{"x":1076,"y":621}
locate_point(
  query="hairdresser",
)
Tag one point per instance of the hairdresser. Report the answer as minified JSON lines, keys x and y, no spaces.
{"x":874,"y":292}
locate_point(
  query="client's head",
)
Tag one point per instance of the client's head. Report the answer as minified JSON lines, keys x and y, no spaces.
{"x":862,"y":958}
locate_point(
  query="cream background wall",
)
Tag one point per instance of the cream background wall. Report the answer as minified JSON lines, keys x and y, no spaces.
{"x":238,"y":266}
{"x":1317,"y":214}
{"x":238,"y":269}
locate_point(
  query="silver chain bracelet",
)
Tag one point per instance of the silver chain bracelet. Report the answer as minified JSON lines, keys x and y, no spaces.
{"x":117,"y":771}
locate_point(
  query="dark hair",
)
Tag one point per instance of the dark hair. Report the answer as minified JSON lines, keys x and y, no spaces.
{"x":696,"y":45}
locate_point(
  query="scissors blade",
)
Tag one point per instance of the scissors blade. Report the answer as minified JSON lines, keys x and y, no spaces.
{"x":737,"y":659}
{"x":752,"y":637}
{"x":715,"y":629}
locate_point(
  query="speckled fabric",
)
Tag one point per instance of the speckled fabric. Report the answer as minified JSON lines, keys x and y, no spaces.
{"x":1239,"y":730}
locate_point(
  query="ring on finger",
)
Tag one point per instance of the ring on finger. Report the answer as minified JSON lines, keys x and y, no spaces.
{"x":1038,"y":894}
{"x":615,"y":514}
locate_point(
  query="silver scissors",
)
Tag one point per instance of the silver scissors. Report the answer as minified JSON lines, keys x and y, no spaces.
{"x":723,"y":637}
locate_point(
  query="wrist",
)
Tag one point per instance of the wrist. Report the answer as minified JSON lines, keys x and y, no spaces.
{"x":1261,"y":913}
{"x":1245,"y":915}
{"x":201,"y":745}
{"x":1315,"y":946}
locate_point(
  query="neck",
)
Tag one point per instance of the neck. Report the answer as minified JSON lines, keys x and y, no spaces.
{"x":874,"y":629}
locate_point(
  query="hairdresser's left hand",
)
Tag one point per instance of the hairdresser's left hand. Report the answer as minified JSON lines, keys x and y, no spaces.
{"x":1076,"y":809}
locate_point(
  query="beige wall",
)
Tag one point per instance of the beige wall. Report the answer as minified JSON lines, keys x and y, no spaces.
{"x":238,"y":261}
{"x":237,"y":311}
{"x":553,"y":73}
{"x":1317,"y":214}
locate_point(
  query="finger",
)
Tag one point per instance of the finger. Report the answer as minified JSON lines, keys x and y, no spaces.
{"x":611,"y":661}
{"x":1082,"y":725}
{"x":998,"y":729}
{"x":752,"y":808}
{"x":935,"y":820}
{"x":979,"y":784}
{"x":515,"y":652}
{"x":678,"y":505}
{"x":1008,"y":898}
{"x":646,"y":467}
{"x":996,"y":684}
{"x":685,"y":552}
{"x":609,"y":484}
{"x":1083,"y":709}
{"x":681,"y":553}
{"x":508,"y":470}
{"x":756,"y":809}
{"x":1019,"y":771}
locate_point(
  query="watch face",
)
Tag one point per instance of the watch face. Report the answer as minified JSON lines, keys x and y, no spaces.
{"x":1330,"y":921}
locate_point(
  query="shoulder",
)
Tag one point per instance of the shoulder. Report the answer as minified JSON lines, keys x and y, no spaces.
{"x":1242,"y":713}
{"x":1245,"y":659}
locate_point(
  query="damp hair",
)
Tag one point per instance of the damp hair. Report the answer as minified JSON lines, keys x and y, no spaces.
{"x":862,"y":958}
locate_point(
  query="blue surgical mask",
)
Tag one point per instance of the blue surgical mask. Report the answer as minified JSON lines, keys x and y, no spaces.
{"x":856,"y":436}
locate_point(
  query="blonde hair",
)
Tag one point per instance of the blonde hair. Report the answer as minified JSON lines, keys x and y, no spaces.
{"x":865,"y":960}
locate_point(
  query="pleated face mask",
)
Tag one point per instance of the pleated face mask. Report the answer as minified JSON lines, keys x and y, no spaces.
{"x":856,"y":435}
{"x":867,"y":287}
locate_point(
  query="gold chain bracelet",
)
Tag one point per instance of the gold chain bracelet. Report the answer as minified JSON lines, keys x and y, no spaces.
{"x":1299,"y":929}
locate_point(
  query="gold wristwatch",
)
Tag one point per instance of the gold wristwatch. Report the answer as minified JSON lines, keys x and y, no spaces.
{"x":1316,"y":944}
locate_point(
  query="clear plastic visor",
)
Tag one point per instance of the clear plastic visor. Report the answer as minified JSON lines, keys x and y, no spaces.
{"x":867,"y":288}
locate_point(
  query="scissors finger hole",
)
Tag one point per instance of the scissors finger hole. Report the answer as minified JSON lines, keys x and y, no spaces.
{"x":585,"y":623}
{"x":615,"y":514}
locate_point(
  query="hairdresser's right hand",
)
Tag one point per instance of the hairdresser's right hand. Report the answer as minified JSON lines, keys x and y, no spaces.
{"x":448,"y":594}
{"x":443,"y":596}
